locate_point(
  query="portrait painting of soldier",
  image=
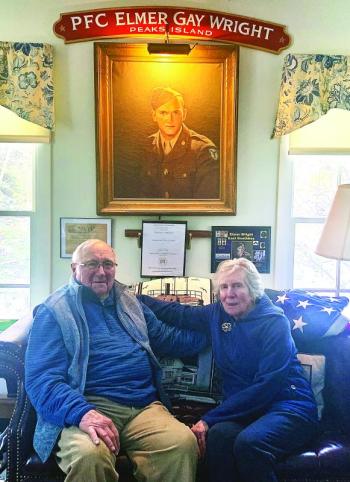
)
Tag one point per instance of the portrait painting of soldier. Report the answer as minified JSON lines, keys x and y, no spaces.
{"x":167,"y":131}
{"x":178,"y":162}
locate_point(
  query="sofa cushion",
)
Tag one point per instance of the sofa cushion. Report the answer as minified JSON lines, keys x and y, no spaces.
{"x":325,"y":459}
{"x":337,"y":390}
{"x":314,"y":371}
{"x":311,"y":316}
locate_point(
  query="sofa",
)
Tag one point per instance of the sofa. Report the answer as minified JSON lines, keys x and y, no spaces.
{"x":326,"y":459}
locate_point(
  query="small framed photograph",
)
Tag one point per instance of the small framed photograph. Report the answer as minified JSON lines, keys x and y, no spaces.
{"x":163,"y":248}
{"x":75,"y":231}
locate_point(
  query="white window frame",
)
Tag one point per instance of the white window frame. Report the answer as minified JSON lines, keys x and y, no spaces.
{"x":284,"y":253}
{"x":40,"y":224}
{"x":41,"y":229}
{"x":285,"y":225}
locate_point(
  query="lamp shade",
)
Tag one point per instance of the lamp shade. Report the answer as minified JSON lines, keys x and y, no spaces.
{"x":335,"y":238}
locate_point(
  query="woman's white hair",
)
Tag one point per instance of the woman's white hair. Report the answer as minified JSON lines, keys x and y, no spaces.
{"x":252,"y":276}
{"x":78,"y":253}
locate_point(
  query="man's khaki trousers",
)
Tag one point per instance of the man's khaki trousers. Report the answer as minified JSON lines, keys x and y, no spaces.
{"x":161,"y":448}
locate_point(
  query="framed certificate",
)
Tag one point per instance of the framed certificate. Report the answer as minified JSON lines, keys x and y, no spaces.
{"x":75,"y":231}
{"x":163,"y":249}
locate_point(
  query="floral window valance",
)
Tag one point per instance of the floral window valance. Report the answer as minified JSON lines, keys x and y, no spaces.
{"x":26,"y":85}
{"x":311,"y":85}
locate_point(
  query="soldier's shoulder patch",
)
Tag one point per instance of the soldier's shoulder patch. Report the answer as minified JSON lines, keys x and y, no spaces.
{"x":214,"y":153}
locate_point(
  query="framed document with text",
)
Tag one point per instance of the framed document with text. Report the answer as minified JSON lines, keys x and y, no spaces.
{"x":163,"y":249}
{"x":75,"y":231}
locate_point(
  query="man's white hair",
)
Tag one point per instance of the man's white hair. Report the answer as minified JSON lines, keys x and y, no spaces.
{"x":79,"y":250}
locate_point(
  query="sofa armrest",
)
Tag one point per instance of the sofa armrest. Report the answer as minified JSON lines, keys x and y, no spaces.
{"x":12,"y":366}
{"x":18,"y":332}
{"x":11,"y":370}
{"x":19,"y":439}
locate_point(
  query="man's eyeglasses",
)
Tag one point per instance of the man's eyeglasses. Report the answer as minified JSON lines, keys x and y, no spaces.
{"x":92,"y":265}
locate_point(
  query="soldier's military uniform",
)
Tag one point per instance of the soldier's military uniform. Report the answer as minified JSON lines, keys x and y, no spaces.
{"x":190,"y":170}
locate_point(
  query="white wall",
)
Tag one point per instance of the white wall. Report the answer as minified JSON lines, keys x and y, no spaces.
{"x":316,"y":26}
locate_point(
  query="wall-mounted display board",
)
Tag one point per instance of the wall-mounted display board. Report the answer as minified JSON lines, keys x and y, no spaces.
{"x":251,"y":242}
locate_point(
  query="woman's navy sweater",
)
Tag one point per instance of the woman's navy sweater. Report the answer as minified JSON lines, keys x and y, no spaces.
{"x":255,"y":355}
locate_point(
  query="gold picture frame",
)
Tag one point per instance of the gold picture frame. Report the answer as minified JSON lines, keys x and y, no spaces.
{"x":130,"y":85}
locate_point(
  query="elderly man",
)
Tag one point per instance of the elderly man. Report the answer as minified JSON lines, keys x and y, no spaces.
{"x":178,"y":162}
{"x":94,"y":380}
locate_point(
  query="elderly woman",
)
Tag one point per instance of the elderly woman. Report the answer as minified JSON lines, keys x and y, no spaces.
{"x":268,"y":408}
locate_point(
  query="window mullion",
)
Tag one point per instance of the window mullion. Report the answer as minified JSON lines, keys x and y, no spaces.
{"x":15,"y":285}
{"x":308,"y":220}
{"x":16,"y":213}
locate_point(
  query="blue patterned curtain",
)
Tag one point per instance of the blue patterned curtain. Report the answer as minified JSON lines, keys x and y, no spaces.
{"x":26,"y":85}
{"x":311,"y":85}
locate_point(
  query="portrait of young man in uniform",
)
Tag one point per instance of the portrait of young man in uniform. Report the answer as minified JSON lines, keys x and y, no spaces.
{"x":166,"y":136}
{"x":178,"y":162}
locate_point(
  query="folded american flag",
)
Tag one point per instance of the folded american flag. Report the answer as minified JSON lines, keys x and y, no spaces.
{"x":311,"y":315}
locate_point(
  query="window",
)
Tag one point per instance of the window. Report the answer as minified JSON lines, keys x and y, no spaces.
{"x":24,"y":226}
{"x":16,"y":204}
{"x":307,"y":185}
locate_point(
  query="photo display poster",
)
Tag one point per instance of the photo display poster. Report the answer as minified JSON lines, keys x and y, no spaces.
{"x":163,"y":248}
{"x":251,"y":242}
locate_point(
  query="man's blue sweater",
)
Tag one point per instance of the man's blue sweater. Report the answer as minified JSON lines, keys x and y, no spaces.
{"x":110,"y":347}
{"x":58,"y":355}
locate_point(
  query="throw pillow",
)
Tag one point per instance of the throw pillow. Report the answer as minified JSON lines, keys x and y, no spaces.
{"x":311,"y":316}
{"x":314,"y":371}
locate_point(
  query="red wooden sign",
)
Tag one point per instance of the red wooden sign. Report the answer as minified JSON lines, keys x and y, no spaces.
{"x":179,"y":23}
